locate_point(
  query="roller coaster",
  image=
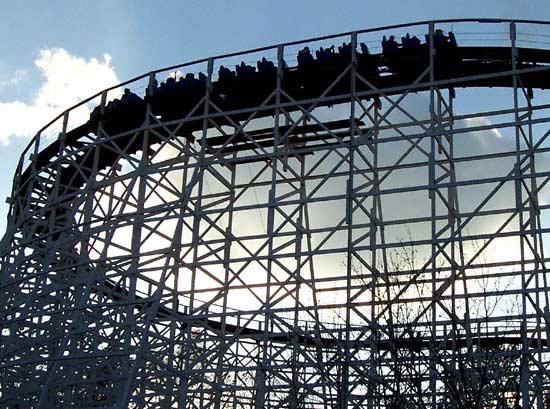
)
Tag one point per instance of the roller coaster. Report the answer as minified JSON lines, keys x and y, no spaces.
{"x":328,"y":233}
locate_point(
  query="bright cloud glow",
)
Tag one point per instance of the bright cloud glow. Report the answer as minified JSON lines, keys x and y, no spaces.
{"x":68,"y":79}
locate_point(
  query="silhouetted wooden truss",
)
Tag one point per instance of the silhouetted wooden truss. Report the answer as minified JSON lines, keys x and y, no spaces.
{"x":294,"y":237}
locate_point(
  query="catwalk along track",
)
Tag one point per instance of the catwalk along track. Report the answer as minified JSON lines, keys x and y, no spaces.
{"x":319,"y":230}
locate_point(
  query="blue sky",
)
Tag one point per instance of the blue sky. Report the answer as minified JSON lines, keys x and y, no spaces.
{"x":140,"y":36}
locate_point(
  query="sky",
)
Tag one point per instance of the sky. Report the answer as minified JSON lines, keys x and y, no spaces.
{"x":56,"y":53}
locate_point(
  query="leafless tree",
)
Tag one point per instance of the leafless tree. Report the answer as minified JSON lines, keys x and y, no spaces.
{"x":470,"y":368}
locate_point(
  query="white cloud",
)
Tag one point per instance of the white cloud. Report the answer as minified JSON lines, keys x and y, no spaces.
{"x":68,"y":79}
{"x":18,"y":77}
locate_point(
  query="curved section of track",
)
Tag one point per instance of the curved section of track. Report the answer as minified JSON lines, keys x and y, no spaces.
{"x":455,"y":68}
